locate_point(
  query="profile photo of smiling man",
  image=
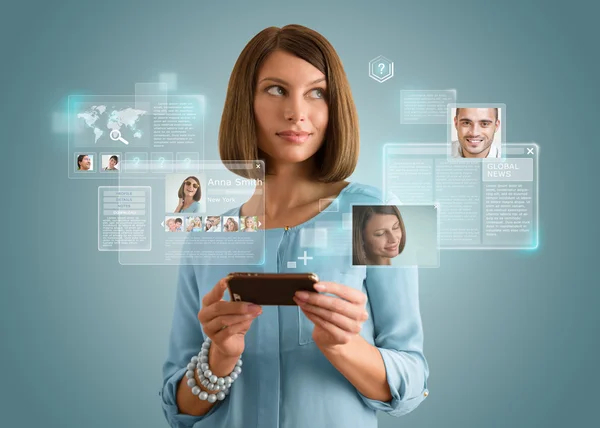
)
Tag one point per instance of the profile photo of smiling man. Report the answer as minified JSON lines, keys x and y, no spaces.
{"x":84,"y":162}
{"x":476,"y":129}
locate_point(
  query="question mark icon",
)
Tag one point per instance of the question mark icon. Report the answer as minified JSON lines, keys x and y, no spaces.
{"x":381,"y":67}
{"x":162,"y":161}
{"x":136,"y":160}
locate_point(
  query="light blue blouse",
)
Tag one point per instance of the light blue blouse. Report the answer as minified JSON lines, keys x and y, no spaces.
{"x":286,"y":381}
{"x":193,"y":208}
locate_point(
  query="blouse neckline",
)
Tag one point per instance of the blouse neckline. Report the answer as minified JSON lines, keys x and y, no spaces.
{"x":310,"y":220}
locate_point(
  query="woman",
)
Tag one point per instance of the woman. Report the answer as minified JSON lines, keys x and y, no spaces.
{"x":231,"y":225}
{"x":112,"y":163}
{"x":378,"y":234}
{"x":170,"y":225}
{"x":289,"y":104}
{"x":189,"y":194}
{"x":195,"y":224}
{"x":249,"y":224}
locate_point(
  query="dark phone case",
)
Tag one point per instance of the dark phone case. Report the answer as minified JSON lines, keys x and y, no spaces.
{"x":269,"y":289}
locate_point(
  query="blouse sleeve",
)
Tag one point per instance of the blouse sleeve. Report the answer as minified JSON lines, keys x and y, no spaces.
{"x":398,"y":335}
{"x":185,"y":340}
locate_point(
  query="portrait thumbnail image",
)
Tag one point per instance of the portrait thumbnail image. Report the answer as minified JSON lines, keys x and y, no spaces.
{"x":231,"y":224}
{"x":84,"y":162}
{"x":249,"y":223}
{"x":193,"y":224}
{"x":184,"y":194}
{"x":378,"y":234}
{"x":173,"y":224}
{"x":110,"y":163}
{"x":213,"y":223}
{"x":476,"y":132}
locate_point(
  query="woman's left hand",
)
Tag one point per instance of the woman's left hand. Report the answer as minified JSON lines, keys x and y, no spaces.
{"x":337,"y":319}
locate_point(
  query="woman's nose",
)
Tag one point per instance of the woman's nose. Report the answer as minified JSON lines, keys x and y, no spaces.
{"x":295,"y":109}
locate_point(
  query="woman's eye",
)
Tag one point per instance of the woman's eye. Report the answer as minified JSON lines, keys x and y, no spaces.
{"x":317,"y":93}
{"x":275,"y":90}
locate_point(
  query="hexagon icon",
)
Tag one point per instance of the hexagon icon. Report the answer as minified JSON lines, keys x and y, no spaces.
{"x":381,"y":69}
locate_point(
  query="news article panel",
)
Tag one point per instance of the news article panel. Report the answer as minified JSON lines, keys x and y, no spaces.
{"x":483,"y":203}
{"x":190,"y":216}
{"x":104,"y":130}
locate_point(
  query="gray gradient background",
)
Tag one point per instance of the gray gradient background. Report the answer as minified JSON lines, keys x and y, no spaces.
{"x":511,"y":336}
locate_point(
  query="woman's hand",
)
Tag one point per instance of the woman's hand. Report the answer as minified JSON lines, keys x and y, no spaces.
{"x":337,"y":320}
{"x":179,"y":206}
{"x":226,"y":323}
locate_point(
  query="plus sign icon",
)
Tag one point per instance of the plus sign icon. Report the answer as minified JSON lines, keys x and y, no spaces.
{"x":381,"y":69}
{"x":305,"y":258}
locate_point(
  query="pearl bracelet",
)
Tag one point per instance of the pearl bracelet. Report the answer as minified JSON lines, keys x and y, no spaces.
{"x":207,"y":378}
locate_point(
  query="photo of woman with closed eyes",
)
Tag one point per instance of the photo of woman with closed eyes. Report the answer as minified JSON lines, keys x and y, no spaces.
{"x":189,"y":194}
{"x":378,"y":234}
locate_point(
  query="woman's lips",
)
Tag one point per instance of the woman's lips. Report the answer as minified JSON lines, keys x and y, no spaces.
{"x":391,"y":247}
{"x":294,"y":137}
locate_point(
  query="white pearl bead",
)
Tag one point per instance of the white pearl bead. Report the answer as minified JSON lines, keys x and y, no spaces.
{"x":206,"y":345}
{"x":237,"y":370}
{"x":233,"y":376}
{"x":196,"y":390}
{"x":212,"y":398}
{"x":207,"y":374}
{"x":220,"y":381}
{"x":211,"y":386}
{"x":189,"y":374}
{"x":194,"y":359}
{"x":203,"y":367}
{"x":203,"y":395}
{"x":204,"y":352}
{"x":208,"y":340}
{"x":239,"y":363}
{"x":213,"y":379}
{"x":204,"y":359}
{"x":191,"y":383}
{"x":191,"y":366}
{"x":205,"y":383}
{"x":221,"y":396}
{"x":228,"y":380}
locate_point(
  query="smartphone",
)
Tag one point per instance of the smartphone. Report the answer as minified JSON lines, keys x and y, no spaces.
{"x":269,"y":288}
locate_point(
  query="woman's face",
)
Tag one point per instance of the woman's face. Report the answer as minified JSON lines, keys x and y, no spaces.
{"x":188,"y":187}
{"x":112,"y":163}
{"x":290,"y":108}
{"x":172,"y":225}
{"x":382,"y":236}
{"x":249,"y":223}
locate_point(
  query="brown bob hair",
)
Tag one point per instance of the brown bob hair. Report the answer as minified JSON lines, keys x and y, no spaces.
{"x":361,"y":214}
{"x":338,"y":155}
{"x":198,"y":193}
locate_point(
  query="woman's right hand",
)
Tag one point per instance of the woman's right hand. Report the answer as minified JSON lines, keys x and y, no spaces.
{"x":179,"y":206}
{"x":226,"y":323}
